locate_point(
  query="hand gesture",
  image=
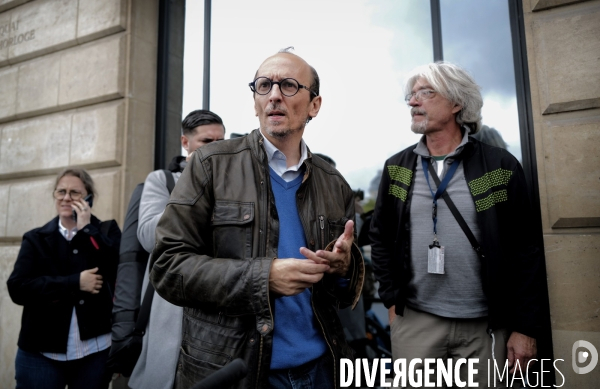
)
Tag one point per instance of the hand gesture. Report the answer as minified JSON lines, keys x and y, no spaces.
{"x":338,"y":259}
{"x":89,"y":281}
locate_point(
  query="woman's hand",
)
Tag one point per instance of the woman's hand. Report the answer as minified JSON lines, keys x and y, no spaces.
{"x":89,"y":281}
{"x":84,"y":213}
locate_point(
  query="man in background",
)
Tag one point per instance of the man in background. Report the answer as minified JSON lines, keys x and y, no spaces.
{"x":157,"y":363}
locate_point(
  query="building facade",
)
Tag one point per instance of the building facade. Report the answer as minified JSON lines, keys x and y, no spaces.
{"x":98,"y":84}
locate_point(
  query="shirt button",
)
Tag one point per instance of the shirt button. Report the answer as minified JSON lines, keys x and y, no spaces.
{"x":265,"y":328}
{"x":81,"y":302}
{"x":75,"y":251}
{"x":246,"y":217}
{"x":86,"y":230}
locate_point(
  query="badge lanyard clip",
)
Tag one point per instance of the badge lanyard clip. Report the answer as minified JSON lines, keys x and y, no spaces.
{"x":440,"y":190}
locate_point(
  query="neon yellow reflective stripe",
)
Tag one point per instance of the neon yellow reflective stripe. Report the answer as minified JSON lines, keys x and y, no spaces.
{"x":491,"y":200}
{"x":489,"y":180}
{"x":399,"y":192}
{"x":400,"y":174}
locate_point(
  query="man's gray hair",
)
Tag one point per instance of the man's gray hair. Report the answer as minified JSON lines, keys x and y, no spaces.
{"x":456,"y":85}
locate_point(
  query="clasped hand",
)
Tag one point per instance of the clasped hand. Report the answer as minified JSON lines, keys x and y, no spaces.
{"x":89,"y":281}
{"x":290,"y":276}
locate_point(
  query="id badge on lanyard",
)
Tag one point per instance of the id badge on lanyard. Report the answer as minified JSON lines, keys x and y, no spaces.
{"x":435,"y":258}
{"x":435,"y":253}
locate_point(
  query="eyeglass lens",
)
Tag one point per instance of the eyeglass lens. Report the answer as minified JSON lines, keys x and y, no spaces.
{"x":288,"y":86}
{"x":419,"y":95}
{"x":60,"y":194}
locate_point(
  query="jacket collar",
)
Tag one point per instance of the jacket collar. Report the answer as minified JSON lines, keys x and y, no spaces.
{"x":49,"y":227}
{"x":50,"y":232}
{"x":256,"y":140}
{"x":177,"y":164}
{"x":422,"y":150}
{"x":257,"y":144}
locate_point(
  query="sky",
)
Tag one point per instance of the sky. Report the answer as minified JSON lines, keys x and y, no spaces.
{"x":362,"y":51}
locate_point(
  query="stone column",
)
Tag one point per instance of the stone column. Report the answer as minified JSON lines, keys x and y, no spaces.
{"x":563,"y":50}
{"x":77,"y":87}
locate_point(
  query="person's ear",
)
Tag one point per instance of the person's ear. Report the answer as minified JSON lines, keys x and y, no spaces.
{"x":315,"y":106}
{"x":185,"y":143}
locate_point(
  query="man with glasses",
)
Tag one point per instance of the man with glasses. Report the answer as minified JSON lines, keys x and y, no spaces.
{"x":257,"y":243}
{"x":461,"y":280}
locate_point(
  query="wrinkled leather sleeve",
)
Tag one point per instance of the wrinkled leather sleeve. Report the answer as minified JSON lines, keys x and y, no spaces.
{"x":349,"y":296}
{"x":183,"y":269}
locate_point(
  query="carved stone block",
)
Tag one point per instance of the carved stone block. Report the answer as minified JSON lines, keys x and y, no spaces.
{"x":567,"y":51}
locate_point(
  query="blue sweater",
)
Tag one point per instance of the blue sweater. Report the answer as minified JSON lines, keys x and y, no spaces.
{"x":296,"y":335}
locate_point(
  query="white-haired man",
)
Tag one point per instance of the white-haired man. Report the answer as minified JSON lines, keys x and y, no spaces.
{"x":456,"y":289}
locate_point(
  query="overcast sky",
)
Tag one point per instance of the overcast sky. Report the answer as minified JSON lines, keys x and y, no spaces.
{"x":362,"y":51}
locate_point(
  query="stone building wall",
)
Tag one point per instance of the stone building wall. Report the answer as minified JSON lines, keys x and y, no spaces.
{"x":77,"y":87}
{"x":563,"y":50}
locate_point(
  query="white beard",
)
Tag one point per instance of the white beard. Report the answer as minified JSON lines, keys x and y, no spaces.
{"x":420,"y":127}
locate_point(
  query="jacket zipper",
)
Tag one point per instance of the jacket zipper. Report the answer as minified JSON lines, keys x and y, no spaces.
{"x":324,"y":336}
{"x":260,"y":350}
{"x":322,"y":225}
{"x":263,"y":221}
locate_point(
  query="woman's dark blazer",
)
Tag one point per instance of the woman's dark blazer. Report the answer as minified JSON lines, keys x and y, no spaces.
{"x":45,"y":281}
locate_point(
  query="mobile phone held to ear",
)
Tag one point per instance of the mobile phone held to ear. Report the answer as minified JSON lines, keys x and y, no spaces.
{"x":90,"y":200}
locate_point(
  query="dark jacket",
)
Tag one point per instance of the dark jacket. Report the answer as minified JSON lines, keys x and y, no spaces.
{"x":215,"y":244}
{"x":512,"y":262}
{"x":45,"y":281}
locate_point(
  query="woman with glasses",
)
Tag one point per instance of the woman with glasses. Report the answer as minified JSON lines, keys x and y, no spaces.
{"x":64,"y":278}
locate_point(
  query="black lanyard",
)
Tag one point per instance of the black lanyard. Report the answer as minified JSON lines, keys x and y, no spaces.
{"x":440,"y":189}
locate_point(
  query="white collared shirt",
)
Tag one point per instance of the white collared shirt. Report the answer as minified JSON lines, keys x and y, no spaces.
{"x":278,"y":160}
{"x":68,"y":234}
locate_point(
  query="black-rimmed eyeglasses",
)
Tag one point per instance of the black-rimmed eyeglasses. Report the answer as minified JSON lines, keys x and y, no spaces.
{"x":288,"y":86}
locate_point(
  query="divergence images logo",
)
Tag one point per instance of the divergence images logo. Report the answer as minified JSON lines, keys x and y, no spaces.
{"x":582,"y":356}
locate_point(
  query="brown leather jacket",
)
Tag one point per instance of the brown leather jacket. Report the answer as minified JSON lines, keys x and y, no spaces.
{"x":214,"y":246}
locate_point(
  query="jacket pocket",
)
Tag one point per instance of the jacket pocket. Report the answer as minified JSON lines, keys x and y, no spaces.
{"x":335,"y":228}
{"x":191,"y":370}
{"x":232,"y":229}
{"x":214,"y":337}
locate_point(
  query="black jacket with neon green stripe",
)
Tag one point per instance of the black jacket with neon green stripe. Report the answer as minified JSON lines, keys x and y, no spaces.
{"x":512,"y":260}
